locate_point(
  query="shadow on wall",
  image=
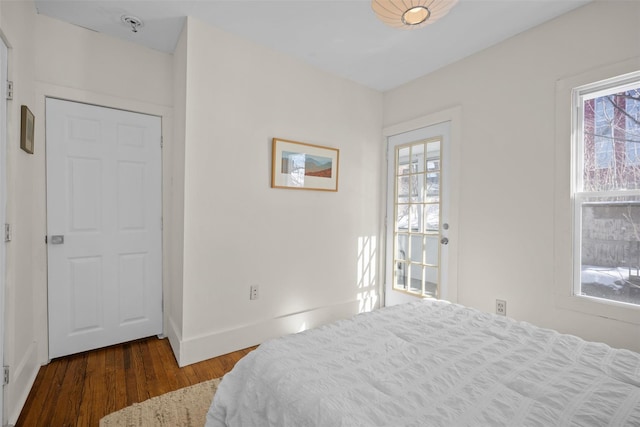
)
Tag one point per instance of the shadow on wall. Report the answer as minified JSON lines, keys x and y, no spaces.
{"x":367,"y":274}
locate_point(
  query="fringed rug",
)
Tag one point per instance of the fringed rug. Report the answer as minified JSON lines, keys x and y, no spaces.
{"x":186,"y":407}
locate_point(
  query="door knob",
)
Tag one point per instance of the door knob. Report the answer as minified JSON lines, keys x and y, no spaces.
{"x":444,"y":241}
{"x":57,"y":239}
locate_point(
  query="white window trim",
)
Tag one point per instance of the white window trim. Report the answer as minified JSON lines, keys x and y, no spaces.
{"x":565,"y":239}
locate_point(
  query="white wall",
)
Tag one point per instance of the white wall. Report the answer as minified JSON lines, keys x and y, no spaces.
{"x":21,"y":348}
{"x":51,"y":58}
{"x":300,"y":247}
{"x":508,"y":100}
{"x":176,"y":249}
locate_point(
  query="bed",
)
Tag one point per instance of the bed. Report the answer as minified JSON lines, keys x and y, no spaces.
{"x":430,"y":363}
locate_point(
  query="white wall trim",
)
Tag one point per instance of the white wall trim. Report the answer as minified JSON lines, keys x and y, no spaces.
{"x":196,"y":349}
{"x":21,"y":379}
{"x":174,"y":336}
{"x":4,"y":56}
{"x":453,"y":114}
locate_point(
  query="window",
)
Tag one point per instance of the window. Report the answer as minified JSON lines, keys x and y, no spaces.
{"x":606,"y":190}
{"x":416,"y":237}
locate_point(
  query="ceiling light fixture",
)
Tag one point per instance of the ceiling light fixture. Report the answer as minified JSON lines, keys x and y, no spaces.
{"x":134,"y":22}
{"x":411,"y":14}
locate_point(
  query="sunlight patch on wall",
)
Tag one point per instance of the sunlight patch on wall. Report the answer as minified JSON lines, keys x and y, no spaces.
{"x":303,"y":327}
{"x":367,"y":273}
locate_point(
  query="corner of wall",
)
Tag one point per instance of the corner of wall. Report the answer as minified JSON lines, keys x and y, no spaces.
{"x":175,"y":339}
{"x":20,"y":381}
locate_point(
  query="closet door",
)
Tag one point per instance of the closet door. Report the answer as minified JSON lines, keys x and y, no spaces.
{"x":104,"y":226}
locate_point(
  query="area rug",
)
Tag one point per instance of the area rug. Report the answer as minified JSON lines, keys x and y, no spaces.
{"x":186,"y":407}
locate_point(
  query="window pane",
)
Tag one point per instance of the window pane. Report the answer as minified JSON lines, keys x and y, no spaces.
{"x":416,"y":188}
{"x":432,"y":187}
{"x":415,"y":284}
{"x":401,"y":247}
{"x":417,"y":157}
{"x":611,"y":126}
{"x":417,"y":248}
{"x":432,"y":217}
{"x":416,"y":217}
{"x":431,"y":281}
{"x":433,"y":155}
{"x":402,"y":220}
{"x":403,"y":186}
{"x":632,"y":126}
{"x":403,"y":160}
{"x":417,"y":233}
{"x":431,"y":250}
{"x":400,"y":276}
{"x":610,"y":248}
{"x":604,"y":153}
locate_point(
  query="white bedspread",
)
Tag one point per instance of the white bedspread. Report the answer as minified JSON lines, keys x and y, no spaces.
{"x":430,"y":363}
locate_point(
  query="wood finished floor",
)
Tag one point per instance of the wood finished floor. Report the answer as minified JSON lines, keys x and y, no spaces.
{"x":78,"y":390}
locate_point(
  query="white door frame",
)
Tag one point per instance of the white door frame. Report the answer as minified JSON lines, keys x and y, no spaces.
{"x":452,"y":115}
{"x":3,"y":204}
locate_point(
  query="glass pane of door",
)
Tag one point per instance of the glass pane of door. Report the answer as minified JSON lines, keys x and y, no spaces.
{"x":417,"y":218}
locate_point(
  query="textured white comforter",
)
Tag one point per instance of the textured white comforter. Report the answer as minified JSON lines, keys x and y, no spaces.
{"x":430,"y":363}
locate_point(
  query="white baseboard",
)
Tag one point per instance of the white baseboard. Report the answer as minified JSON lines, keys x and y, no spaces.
{"x":21,"y":379}
{"x":174,"y":336}
{"x":196,"y":349}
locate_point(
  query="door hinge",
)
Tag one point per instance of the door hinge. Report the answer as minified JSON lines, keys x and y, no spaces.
{"x":7,"y":232}
{"x":9,"y":90}
{"x":5,"y":376}
{"x":161,"y":142}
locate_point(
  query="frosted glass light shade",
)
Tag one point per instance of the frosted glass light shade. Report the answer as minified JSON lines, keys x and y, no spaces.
{"x":411,"y":13}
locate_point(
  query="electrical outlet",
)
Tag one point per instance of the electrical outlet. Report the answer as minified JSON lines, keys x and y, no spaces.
{"x":253,"y":292}
{"x":501,"y":307}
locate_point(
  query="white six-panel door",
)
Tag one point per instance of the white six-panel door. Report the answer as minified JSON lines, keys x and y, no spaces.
{"x":104,"y":226}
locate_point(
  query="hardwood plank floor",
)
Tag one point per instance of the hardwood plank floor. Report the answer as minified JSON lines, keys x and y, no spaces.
{"x":78,"y":390}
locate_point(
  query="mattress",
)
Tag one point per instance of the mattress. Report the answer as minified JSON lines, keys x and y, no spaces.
{"x":430,"y":363}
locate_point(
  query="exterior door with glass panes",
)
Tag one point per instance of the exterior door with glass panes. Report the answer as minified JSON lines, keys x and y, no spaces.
{"x":417,"y":209}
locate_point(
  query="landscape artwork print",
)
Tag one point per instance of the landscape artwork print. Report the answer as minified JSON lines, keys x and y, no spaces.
{"x":306,"y":164}
{"x":299,"y":165}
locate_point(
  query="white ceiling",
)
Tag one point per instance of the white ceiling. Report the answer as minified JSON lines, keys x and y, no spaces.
{"x":343,"y":37}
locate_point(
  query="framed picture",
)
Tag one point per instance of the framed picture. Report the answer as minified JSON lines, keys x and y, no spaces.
{"x":26,"y":129}
{"x":301,"y":166}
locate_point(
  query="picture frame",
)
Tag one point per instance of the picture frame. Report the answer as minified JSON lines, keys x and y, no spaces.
{"x":302,"y":166}
{"x":27,"y":125}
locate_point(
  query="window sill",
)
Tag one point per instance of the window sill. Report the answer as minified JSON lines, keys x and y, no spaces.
{"x":607,"y":309}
